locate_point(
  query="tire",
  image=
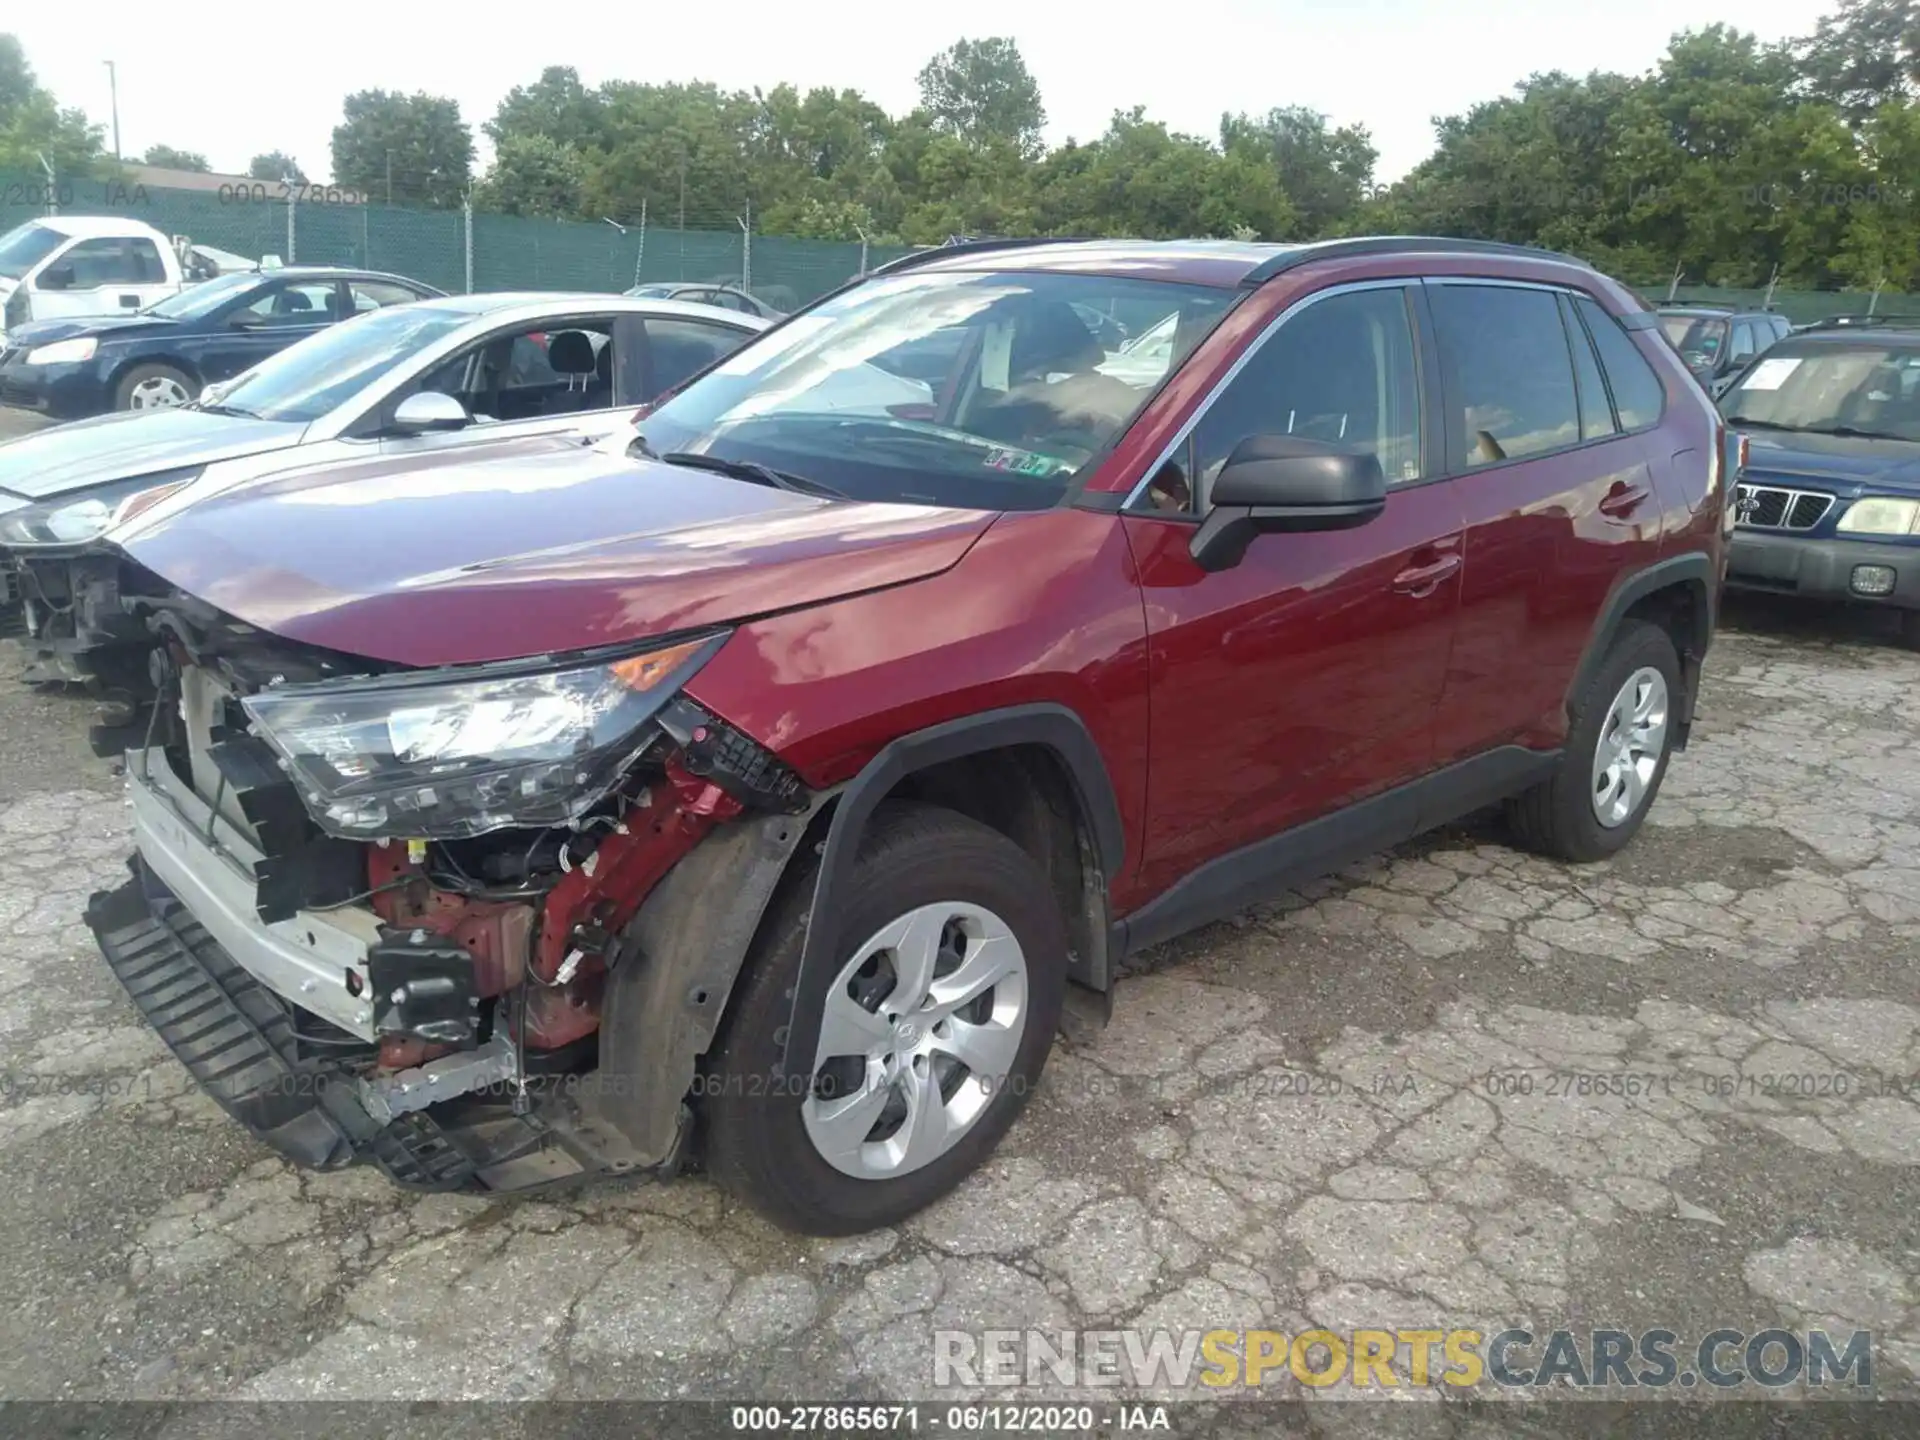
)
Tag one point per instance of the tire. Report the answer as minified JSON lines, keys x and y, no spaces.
{"x":1910,"y":629}
{"x":148,"y":387}
{"x":1560,"y":816}
{"x":760,"y":1138}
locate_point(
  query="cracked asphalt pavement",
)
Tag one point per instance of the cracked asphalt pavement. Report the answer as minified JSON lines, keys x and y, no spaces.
{"x":1360,"y":1105}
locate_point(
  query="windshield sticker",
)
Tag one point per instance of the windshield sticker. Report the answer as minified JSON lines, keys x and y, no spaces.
{"x":1772,"y":374}
{"x":1021,"y":462}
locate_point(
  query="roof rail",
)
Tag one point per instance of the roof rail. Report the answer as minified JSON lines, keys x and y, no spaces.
{"x":970,"y":247}
{"x":1313,"y":251}
{"x":1851,"y":322}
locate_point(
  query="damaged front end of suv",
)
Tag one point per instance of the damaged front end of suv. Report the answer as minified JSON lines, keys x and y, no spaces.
{"x":474,"y":924}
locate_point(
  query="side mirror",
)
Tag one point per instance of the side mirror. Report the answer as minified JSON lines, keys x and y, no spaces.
{"x":1285,"y":483}
{"x":428,"y":411}
{"x":57,"y":276}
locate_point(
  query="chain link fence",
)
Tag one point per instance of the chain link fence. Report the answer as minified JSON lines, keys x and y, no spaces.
{"x":457,"y":249}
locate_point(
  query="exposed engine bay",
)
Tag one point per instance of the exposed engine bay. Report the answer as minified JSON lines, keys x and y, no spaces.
{"x":434,"y":872}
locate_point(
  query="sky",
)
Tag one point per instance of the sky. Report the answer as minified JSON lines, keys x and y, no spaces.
{"x":271,"y":77}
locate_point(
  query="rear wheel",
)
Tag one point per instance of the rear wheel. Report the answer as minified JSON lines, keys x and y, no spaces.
{"x":1615,"y":757}
{"x":935,"y":1029}
{"x":154,"y":387}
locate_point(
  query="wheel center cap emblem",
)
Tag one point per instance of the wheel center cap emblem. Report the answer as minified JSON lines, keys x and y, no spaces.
{"x":907,"y":1032}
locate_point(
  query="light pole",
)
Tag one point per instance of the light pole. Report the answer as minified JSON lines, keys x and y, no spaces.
{"x":113,"y":90}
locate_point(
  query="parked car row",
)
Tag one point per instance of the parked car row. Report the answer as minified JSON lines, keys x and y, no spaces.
{"x":1718,"y":341}
{"x":165,"y":355}
{"x":767,"y":769}
{"x":409,"y":379}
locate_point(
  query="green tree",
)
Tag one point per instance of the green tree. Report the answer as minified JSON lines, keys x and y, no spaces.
{"x":1863,"y":56}
{"x":556,"y":106}
{"x":682,"y":150}
{"x":982,"y":91}
{"x":276,"y":165}
{"x":532,"y":175}
{"x":17,"y":85}
{"x":165,"y":157}
{"x":1141,"y":179}
{"x":1325,"y":172}
{"x":33,"y":126}
{"x":1881,"y":245}
{"x":410,"y":149}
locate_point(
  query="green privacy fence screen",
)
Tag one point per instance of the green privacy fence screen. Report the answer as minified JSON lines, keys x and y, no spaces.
{"x":457,"y":252}
{"x":447,"y":248}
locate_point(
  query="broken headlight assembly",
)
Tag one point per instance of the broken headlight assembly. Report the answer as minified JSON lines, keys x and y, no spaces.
{"x":85,"y":515}
{"x":450,"y":757}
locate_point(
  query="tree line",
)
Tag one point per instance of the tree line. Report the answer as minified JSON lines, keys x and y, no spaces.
{"x":1730,"y":162}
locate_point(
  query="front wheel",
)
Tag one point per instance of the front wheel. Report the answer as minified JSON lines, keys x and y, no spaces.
{"x":1615,"y":757}
{"x":154,"y":387}
{"x":934,"y":1031}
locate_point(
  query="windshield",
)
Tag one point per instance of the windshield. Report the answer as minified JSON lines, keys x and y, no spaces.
{"x":25,"y":246}
{"x":1865,"y":387}
{"x":305,"y":381}
{"x":986,"y":391}
{"x":204,"y":298}
{"x":1698,"y":338}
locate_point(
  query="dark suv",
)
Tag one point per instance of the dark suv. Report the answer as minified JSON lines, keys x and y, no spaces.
{"x":1828,"y":504}
{"x":773,"y":786}
{"x":1718,"y":341}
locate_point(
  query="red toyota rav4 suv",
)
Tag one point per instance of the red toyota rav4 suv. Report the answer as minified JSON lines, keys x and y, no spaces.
{"x":774,"y":787}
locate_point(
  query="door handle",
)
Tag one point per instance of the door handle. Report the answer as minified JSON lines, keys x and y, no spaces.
{"x":1421,"y":581}
{"x":1621,"y":501}
{"x":129,"y":302}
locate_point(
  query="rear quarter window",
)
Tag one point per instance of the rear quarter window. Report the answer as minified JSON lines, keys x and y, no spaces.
{"x":1638,"y":395}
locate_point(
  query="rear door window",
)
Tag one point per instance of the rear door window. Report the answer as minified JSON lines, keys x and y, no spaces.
{"x":1507,"y":373}
{"x":679,"y":349}
{"x":377,"y":294}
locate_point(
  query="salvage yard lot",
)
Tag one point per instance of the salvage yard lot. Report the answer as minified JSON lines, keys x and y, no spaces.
{"x":1306,"y":1116}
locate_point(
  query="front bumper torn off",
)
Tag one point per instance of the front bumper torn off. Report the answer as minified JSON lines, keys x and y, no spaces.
{"x":226,"y":992}
{"x":237,"y":1039}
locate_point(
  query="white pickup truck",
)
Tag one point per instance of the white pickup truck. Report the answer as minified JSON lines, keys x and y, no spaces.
{"x":76,"y":266}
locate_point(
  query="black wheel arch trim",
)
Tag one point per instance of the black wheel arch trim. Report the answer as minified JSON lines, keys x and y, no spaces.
{"x":1051,"y":726}
{"x":1693,"y":569}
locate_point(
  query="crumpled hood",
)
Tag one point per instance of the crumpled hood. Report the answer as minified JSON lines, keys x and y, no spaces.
{"x":85,"y":453}
{"x":547,"y":547}
{"x":1846,"y":465}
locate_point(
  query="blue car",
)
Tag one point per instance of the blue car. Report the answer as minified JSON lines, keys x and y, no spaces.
{"x":165,"y":355}
{"x":1828,"y":506}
